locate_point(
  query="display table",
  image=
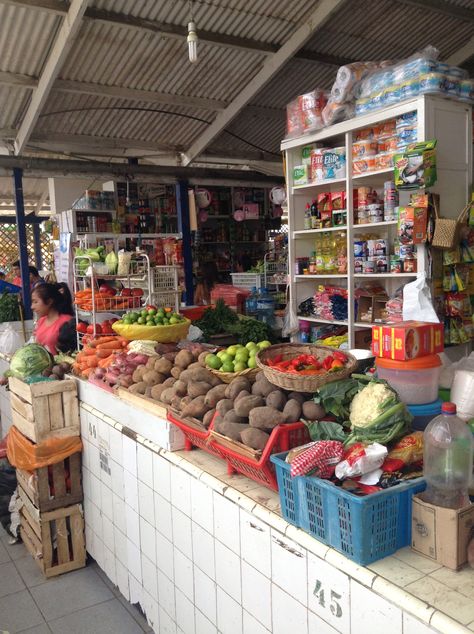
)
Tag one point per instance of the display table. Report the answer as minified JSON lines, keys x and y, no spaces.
{"x":202,"y":551}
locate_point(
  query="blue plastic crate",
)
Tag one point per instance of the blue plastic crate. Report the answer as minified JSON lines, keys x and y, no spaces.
{"x":363,"y":529}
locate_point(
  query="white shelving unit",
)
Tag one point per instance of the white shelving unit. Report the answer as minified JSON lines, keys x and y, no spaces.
{"x":447,"y":121}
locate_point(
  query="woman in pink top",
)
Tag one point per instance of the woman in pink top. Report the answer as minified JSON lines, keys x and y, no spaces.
{"x":53,"y":305}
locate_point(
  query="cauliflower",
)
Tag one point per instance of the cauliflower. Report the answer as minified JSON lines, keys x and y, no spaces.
{"x":366,"y":406}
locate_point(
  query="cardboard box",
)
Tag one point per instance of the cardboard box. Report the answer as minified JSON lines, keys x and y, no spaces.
{"x":363,"y":339}
{"x":442,"y":534}
{"x":407,"y":340}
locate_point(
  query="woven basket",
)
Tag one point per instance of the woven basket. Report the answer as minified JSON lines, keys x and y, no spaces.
{"x":227,"y":377}
{"x":446,"y":229}
{"x":293,"y":382}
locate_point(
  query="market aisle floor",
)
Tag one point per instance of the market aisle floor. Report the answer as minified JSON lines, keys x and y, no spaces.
{"x":80,"y":602}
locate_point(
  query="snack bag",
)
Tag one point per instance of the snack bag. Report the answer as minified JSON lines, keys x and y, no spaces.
{"x":361,"y":459}
{"x":407,"y":451}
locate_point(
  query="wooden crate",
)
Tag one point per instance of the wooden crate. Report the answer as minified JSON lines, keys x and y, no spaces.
{"x":53,"y":487}
{"x":45,"y":409}
{"x":55,"y":539}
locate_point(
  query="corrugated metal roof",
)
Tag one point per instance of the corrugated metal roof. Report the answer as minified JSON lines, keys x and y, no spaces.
{"x":13,"y":101}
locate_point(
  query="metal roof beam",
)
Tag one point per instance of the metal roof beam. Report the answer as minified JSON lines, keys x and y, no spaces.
{"x":324,"y":10}
{"x":58,"y":7}
{"x":443,"y":8}
{"x":462,"y":54}
{"x":61,"y":47}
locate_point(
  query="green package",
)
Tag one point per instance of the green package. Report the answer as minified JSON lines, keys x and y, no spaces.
{"x":416,"y":167}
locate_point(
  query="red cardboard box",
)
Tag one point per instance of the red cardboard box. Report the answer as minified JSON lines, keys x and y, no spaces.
{"x":407,"y":340}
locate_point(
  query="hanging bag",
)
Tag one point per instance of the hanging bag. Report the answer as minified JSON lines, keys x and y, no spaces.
{"x":446,"y":229}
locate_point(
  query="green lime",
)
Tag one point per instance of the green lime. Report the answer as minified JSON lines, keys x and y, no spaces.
{"x":144,"y":313}
{"x":126,"y":321}
{"x":152,"y":312}
{"x":166,"y":322}
{"x":253,"y":353}
{"x":250,"y":345}
{"x":232,"y":350}
{"x":141,"y":320}
{"x":263,"y":344}
{"x":239,"y":366}
{"x":150,"y":322}
{"x":242,"y":355}
{"x":228,"y":366}
{"x":174,"y":320}
{"x":213,"y":361}
{"x":133,"y":316}
{"x":252,"y":362}
{"x":161,"y":313}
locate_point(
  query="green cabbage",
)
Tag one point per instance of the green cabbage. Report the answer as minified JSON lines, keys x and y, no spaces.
{"x":111,"y":260}
{"x":30,"y":360}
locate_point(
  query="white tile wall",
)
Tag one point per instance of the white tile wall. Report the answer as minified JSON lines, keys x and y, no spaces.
{"x":108,"y":533}
{"x":149,"y":576}
{"x":413,"y":626}
{"x":167,"y":626}
{"x":146,"y":503}
{"x":256,"y":595}
{"x":145,"y":465}
{"x":289,"y":569}
{"x":166,"y":594}
{"x":203,"y":625}
{"x":107,"y":501}
{"x":122,"y":579}
{"x":181,"y":491}
{"x":255,"y":543}
{"x":162,"y":476}
{"x":203,"y":551}
{"x":148,"y":540}
{"x":205,"y":595}
{"x":227,"y":522}
{"x":318,"y":626}
{"x":371,"y":614}
{"x":132,"y":520}
{"x":129,"y":455}
{"x":202,"y":511}
{"x":116,"y":473}
{"x":229,"y":614}
{"x":130,"y":487}
{"x":182,"y":532}
{"x":329,"y":593}
{"x":136,"y":588}
{"x":164,"y":555}
{"x":150,"y":607}
{"x":228,"y":572}
{"x":252,"y":626}
{"x":183,"y":573}
{"x":287,"y":614}
{"x":134,"y":563}
{"x":119,"y":513}
{"x":163,"y":518}
{"x":109,"y":565}
{"x":116,"y":444}
{"x":120,"y":542}
{"x":184,"y":613}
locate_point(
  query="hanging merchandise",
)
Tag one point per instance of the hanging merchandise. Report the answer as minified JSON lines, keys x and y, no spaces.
{"x":416,"y":167}
{"x":203,"y":197}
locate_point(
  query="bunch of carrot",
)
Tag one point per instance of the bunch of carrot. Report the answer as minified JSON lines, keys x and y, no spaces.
{"x":102,"y":301}
{"x":98,"y":353}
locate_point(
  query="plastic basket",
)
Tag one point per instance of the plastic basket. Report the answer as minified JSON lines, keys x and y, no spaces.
{"x":247,"y":280}
{"x":165,"y":278}
{"x":193,"y":435}
{"x":166,"y":299}
{"x":363,"y":529}
{"x":262,"y":470}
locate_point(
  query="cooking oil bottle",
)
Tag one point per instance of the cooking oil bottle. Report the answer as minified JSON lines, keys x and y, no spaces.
{"x":318,"y":247}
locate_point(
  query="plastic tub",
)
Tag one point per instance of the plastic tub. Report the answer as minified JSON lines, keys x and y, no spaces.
{"x":424,"y":414}
{"x":415,"y":381}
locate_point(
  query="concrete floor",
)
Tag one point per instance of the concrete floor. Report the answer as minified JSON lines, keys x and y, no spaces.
{"x":79,"y":602}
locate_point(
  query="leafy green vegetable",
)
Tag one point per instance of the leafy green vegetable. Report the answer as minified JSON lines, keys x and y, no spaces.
{"x":325,"y":430}
{"x":216,"y":320}
{"x":248,"y":329}
{"x":336,"y":397}
{"x":9,"y":308}
{"x":29,"y":360}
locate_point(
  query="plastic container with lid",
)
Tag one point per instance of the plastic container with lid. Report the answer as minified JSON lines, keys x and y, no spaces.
{"x":416,"y":381}
{"x":424,"y":414}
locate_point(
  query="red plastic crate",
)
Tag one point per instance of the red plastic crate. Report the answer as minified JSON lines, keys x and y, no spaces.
{"x":282,"y":438}
{"x":193,"y":436}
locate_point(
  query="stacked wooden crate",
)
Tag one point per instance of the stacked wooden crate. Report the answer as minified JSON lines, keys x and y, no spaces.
{"x":51,"y":517}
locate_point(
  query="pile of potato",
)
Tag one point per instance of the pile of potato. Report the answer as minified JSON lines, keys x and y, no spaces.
{"x":241,"y":411}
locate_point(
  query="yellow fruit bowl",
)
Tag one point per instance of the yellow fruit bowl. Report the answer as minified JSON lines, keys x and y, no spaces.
{"x":161,"y":334}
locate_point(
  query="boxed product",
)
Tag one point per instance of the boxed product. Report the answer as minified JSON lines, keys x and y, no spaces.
{"x":412,"y":224}
{"x":306,"y":153}
{"x":316,"y":169}
{"x":416,"y":167}
{"x":334,"y":163}
{"x":440,"y":533}
{"x":407,"y":340}
{"x":300,"y":175}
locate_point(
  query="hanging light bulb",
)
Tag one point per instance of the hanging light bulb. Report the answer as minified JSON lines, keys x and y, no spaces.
{"x":192,"y":42}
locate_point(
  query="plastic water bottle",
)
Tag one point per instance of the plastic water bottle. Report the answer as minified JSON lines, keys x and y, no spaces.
{"x":265,"y":307}
{"x":447,"y":459}
{"x":251,"y":303}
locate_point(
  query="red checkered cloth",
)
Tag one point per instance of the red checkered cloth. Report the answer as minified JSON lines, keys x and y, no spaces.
{"x":320,"y":459}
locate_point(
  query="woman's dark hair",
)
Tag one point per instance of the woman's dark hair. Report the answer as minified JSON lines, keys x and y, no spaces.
{"x":33,"y":270}
{"x":58,"y":295}
{"x":67,"y":338}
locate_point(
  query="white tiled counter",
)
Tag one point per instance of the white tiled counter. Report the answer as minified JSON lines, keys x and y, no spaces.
{"x":204,"y":552}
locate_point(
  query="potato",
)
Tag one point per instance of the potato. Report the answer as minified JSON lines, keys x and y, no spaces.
{"x":137,"y":376}
{"x":208,"y":416}
{"x":171,"y":356}
{"x":292,"y":411}
{"x":196,"y":374}
{"x":156,"y":391}
{"x":198,"y":388}
{"x":202,"y":359}
{"x":224,"y":406}
{"x":245,"y":405}
{"x":169,"y":382}
{"x":168,"y":395}
{"x":265,"y":417}
{"x":183,"y":359}
{"x":218,"y":420}
{"x":263,"y":387}
{"x":232,"y":417}
{"x":215,"y":394}
{"x":215,"y":381}
{"x":276,"y":399}
{"x":196,"y":408}
{"x":297,"y":396}
{"x":241,"y":395}
{"x":176,"y":372}
{"x":237,"y":385}
{"x":313,"y":411}
{"x":138,"y":388}
{"x":151,"y":377}
{"x":176,"y":402}
{"x":150,"y":364}
{"x":180,"y":388}
{"x":255,"y":438}
{"x":185,"y":400}
{"x":232,"y":430}
{"x":163,"y":366}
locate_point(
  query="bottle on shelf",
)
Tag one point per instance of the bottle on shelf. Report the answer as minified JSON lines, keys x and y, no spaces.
{"x":447,"y":459}
{"x":307,"y":216}
{"x":318,"y":245}
{"x":265,"y":307}
{"x":329,"y":253}
{"x":341,"y":251}
{"x":315,"y":216}
{"x":305,"y":331}
{"x":312,"y":263}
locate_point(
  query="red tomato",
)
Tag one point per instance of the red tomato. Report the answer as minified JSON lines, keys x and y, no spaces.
{"x":90,"y":329}
{"x":137,"y":292}
{"x":107,"y":290}
{"x":81,"y":327}
{"x":126,"y":292}
{"x":150,"y":307}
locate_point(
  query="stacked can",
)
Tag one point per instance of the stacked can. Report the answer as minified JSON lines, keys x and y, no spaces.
{"x":390,"y":201}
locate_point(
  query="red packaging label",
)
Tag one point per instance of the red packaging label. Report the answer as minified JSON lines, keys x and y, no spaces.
{"x":407,"y":340}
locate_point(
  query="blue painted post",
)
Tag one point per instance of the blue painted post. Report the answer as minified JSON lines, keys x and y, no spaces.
{"x":182,"y":204}
{"x":37,"y":243}
{"x":22,"y":242}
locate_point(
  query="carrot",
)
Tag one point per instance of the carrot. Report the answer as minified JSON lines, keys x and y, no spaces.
{"x":102,"y":354}
{"x":110,"y":345}
{"x":89,"y":352}
{"x":85,"y":373}
{"x":92,"y":362}
{"x":102,"y":340}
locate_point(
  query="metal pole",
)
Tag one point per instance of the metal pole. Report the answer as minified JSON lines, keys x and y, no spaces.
{"x":22,"y":242}
{"x":182,"y":204}
{"x":37,"y":243}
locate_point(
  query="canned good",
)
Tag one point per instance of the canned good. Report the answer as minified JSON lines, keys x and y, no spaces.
{"x":395,"y":265}
{"x":377,"y":218}
{"x":390,"y":217}
{"x":368,"y":267}
{"x":374,"y":209}
{"x":409,"y":264}
{"x":382,"y":264}
{"x":358,"y":265}
{"x":365,"y":196}
{"x":406,"y":250}
{"x":360,"y":248}
{"x":377,"y":247}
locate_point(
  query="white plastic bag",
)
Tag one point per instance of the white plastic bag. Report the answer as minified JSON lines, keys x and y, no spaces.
{"x":417,"y":303}
{"x":10,"y":340}
{"x":290,"y":321}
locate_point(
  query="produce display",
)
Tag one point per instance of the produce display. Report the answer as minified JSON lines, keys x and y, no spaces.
{"x":97,"y":353}
{"x":9,"y":307}
{"x":222,"y":319}
{"x":108,"y":298}
{"x":236,"y":358}
{"x":308,"y":364}
{"x":29,"y":360}
{"x":152,"y":316}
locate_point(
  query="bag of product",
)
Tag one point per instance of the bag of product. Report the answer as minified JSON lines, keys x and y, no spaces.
{"x":361,"y":459}
{"x":407,"y":451}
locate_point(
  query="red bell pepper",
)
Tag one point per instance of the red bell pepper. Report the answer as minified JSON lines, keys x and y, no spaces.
{"x":327,"y":363}
{"x":340,"y":356}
